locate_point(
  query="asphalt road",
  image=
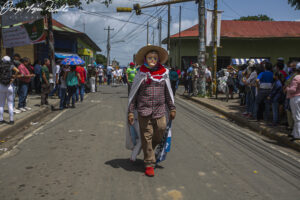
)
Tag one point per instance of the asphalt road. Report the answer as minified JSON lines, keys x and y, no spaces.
{"x":80,"y":155}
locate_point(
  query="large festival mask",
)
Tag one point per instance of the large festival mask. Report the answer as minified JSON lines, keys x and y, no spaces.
{"x":152,"y":59}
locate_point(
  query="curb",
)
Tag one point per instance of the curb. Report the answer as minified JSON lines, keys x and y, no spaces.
{"x":11,"y":131}
{"x":261,"y":129}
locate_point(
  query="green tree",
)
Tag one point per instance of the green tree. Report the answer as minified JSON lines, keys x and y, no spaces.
{"x":295,"y":3}
{"x":255,"y":18}
{"x":101,"y":59}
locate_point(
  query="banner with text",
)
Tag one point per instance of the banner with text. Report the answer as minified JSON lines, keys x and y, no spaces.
{"x":29,"y":33}
{"x":210,"y":28}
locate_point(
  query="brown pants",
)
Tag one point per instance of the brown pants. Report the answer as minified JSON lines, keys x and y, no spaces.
{"x":152,"y":131}
{"x":44,"y":94}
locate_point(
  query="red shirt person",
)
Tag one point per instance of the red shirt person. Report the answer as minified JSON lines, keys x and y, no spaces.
{"x":82,"y":73}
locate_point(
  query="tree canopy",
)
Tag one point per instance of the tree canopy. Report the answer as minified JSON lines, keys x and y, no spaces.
{"x":101,"y":59}
{"x":255,"y":18}
{"x":295,"y":3}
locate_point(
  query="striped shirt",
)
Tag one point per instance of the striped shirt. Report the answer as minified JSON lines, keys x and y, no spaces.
{"x":151,"y":100}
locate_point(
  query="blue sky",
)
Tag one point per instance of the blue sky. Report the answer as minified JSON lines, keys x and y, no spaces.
{"x":129,"y":37}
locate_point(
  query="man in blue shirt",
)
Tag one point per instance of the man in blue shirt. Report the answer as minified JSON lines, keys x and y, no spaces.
{"x":265,"y":81}
{"x":189,"y":78}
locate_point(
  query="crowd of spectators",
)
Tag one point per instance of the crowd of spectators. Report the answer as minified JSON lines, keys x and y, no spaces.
{"x":20,"y":78}
{"x":273,"y":88}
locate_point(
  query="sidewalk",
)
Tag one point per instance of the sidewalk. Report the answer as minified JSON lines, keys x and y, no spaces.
{"x":233,"y":111}
{"x":24,"y":118}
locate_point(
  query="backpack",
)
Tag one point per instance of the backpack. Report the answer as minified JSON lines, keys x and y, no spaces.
{"x":5,"y":73}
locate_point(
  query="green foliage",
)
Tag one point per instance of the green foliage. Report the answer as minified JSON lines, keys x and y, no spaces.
{"x":101,"y":59}
{"x":295,"y":3}
{"x":255,"y":18}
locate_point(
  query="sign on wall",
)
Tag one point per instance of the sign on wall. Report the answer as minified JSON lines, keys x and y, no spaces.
{"x":30,"y":33}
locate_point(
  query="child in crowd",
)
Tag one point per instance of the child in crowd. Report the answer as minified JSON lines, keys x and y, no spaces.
{"x":276,"y":97}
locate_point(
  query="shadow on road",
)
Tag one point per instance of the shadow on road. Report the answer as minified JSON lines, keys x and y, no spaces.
{"x":126,"y":164}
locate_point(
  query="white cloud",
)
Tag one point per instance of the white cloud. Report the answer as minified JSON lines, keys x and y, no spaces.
{"x":185,"y":24}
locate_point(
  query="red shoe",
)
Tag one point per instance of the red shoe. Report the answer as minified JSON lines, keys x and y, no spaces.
{"x":149,"y":171}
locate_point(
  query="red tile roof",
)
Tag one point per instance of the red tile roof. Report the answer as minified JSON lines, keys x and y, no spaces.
{"x":251,"y":29}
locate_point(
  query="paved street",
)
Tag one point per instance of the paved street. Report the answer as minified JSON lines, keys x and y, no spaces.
{"x":79,"y":154}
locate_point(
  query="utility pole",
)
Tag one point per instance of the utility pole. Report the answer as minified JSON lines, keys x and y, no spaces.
{"x":215,"y":53}
{"x":147,"y":33}
{"x":169,"y":39}
{"x":153,"y":37}
{"x":179,"y":46}
{"x":108,"y":44}
{"x":50,"y":41}
{"x":201,"y":51}
{"x":159,"y":30}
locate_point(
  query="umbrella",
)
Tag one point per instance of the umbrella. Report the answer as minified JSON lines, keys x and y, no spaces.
{"x":73,"y":60}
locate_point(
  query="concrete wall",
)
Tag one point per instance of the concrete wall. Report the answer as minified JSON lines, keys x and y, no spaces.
{"x":25,"y":51}
{"x":240,"y":48}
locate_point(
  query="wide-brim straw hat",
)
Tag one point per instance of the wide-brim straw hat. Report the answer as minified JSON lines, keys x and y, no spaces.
{"x":162,"y":54}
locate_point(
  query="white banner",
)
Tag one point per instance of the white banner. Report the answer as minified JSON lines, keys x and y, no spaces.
{"x":15,"y":36}
{"x":210,"y":28}
{"x":30,"y":33}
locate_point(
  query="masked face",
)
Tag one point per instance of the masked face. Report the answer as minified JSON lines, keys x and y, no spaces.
{"x":152,"y":59}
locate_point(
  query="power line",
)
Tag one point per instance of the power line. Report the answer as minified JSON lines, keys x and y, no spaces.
{"x":132,"y":34}
{"x":231,"y":8}
{"x":123,"y":25}
{"x":110,"y":17}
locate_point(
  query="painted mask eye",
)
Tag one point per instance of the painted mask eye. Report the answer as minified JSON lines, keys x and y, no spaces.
{"x":152,"y":58}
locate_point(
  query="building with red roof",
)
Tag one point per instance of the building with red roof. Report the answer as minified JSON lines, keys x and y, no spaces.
{"x":241,"y":39}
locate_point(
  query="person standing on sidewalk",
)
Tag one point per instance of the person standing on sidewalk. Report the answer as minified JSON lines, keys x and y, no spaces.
{"x":38,"y":76}
{"x":92,"y":77}
{"x":289,"y":78}
{"x":80,"y":71}
{"x":190,"y":81}
{"x":130,"y":74}
{"x":16,"y":63}
{"x":150,"y":98}
{"x":195,"y":77}
{"x":173,"y":78}
{"x":264,"y":81}
{"x":73,"y":79}
{"x":293,"y":93}
{"x":45,"y":82}
{"x":62,"y":88}
{"x":208,"y":78}
{"x":276,"y":97}
{"x":24,"y":80}
{"x":100,"y":75}
{"x":109,"y":70}
{"x":6,"y":87}
{"x":55,"y":77}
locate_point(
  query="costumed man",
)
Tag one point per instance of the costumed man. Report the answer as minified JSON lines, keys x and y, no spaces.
{"x":151,"y":105}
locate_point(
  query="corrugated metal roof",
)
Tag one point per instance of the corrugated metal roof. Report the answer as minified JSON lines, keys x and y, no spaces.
{"x":251,"y":29}
{"x":57,"y":26}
